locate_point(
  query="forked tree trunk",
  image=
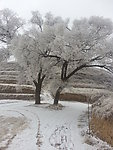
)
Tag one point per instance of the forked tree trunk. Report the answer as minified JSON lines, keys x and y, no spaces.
{"x":57,"y":95}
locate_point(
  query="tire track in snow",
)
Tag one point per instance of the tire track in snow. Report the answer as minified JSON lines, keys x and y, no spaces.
{"x":29,"y":117}
{"x":17,"y":112}
{"x":12,"y":134}
{"x":38,"y":135}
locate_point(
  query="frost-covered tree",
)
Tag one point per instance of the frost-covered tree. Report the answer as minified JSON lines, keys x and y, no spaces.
{"x":26,"y":51}
{"x":86,"y":44}
{"x":10,"y":23}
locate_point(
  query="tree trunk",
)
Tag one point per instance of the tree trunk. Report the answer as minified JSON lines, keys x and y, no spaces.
{"x":37,"y":93}
{"x":38,"y":86}
{"x":57,"y":95}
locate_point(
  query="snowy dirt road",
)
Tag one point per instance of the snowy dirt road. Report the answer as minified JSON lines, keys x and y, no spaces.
{"x":24,"y":125}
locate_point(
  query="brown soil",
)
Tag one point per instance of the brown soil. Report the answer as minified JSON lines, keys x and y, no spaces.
{"x":73,"y":97}
{"x":103,"y":128}
{"x":16,"y":89}
{"x":8,"y":81}
{"x":17,"y":96}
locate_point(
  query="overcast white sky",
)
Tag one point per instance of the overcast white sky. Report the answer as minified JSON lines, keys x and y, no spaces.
{"x":65,"y":8}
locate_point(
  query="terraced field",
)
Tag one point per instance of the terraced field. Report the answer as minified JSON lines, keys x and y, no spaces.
{"x":9,"y":86}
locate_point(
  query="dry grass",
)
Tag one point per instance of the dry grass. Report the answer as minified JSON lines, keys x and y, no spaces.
{"x":103,"y":128}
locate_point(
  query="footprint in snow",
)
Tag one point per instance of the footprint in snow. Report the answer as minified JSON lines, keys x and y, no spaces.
{"x":61,"y":139}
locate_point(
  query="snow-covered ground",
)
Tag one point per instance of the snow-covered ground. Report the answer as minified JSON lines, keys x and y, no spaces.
{"x":25,"y":126}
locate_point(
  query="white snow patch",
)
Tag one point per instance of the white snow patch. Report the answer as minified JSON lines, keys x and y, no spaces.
{"x":47,"y":129}
{"x":11,"y":59}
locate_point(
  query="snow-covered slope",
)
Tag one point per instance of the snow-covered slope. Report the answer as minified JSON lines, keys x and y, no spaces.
{"x":104,"y":107}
